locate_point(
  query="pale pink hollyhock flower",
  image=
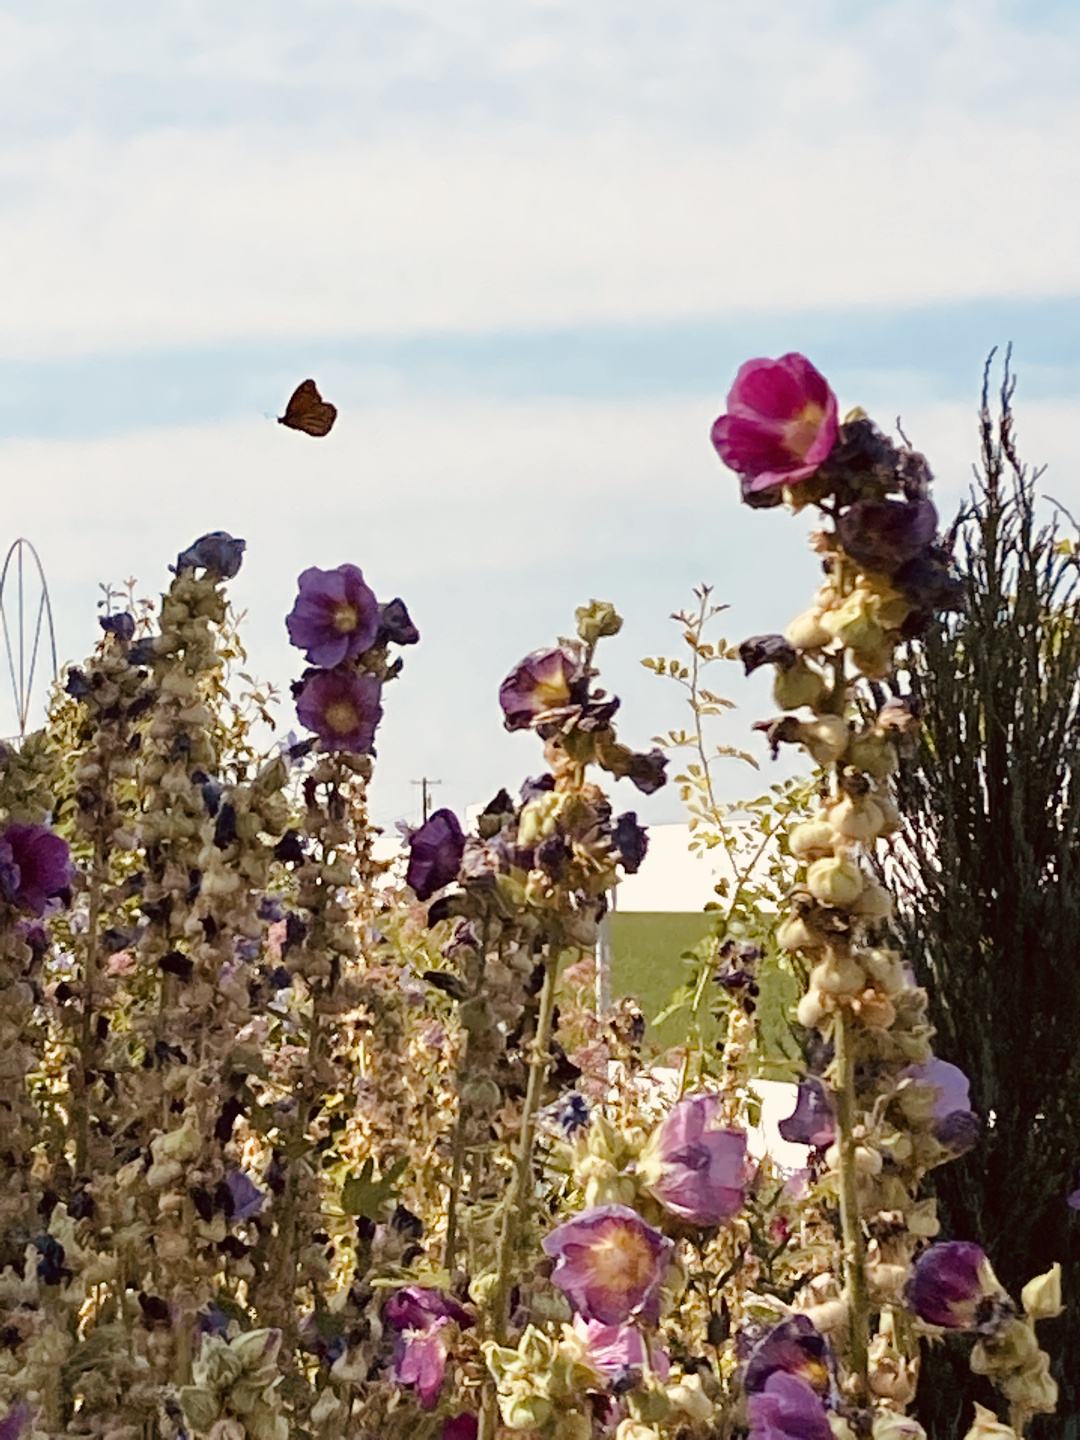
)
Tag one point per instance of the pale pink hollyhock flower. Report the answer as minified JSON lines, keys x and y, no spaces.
{"x":781,"y":423}
{"x":611,"y":1349}
{"x":122,"y":962}
{"x":610,"y":1264}
{"x":696,"y":1169}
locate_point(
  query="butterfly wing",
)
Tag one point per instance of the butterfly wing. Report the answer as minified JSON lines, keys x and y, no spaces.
{"x":308,"y":411}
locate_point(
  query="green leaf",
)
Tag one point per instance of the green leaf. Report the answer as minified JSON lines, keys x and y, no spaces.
{"x":364,"y":1195}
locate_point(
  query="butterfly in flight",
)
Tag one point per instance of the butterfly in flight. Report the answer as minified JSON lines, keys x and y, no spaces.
{"x":308,"y":411}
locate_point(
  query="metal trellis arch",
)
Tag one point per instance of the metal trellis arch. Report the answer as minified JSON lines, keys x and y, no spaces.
{"x":24,"y":652}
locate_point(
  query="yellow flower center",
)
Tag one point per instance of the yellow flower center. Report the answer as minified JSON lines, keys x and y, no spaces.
{"x":345,"y":618}
{"x":341,"y":717}
{"x":552,"y":693}
{"x":801,"y":432}
{"x":623,"y":1261}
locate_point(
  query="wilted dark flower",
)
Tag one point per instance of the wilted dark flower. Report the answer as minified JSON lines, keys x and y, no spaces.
{"x":342,"y":707}
{"x":631,"y":840}
{"x":571,"y":1113}
{"x":545,"y":680}
{"x":395,"y":624}
{"x":813,"y":1121}
{"x":767,"y":650}
{"x":217,"y":552}
{"x":77,"y":684}
{"x":794,"y":1347}
{"x":929,"y":585}
{"x":143,"y":652}
{"x":460,"y":1427}
{"x":35,"y":866}
{"x":122,"y":624}
{"x":335,"y":617}
{"x":780,"y":423}
{"x":247,"y":1198}
{"x":883,"y":535}
{"x":787,"y":1409}
{"x":738,"y":962}
{"x":952,"y":1285}
{"x":553,"y":855}
{"x":539,"y":785}
{"x":695,"y":1169}
{"x":51,"y":1269}
{"x":290,"y":848}
{"x":435,"y":852}
{"x":610,"y":1264}
{"x":646,"y":771}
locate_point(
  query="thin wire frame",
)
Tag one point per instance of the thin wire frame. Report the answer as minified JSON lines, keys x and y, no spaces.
{"x":23,"y":651}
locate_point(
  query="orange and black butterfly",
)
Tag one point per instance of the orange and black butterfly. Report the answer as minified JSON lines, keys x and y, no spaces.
{"x":308,"y":411}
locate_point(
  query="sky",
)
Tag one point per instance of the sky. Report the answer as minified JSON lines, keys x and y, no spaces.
{"x":523,"y":245}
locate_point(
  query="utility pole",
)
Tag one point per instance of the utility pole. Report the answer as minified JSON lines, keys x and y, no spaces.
{"x":425,"y":795}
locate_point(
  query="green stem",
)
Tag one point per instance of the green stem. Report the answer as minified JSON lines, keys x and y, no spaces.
{"x":518,"y":1193}
{"x":86,"y":1035}
{"x":850,"y":1226}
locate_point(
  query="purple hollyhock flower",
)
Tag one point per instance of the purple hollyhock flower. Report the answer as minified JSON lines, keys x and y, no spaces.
{"x":952,"y":1285}
{"x":247,"y":1198}
{"x":420,"y":1315}
{"x":335,"y":617}
{"x":545,"y":680}
{"x":695,"y":1169}
{"x":610,"y":1264}
{"x":435,"y":852}
{"x":780,"y":424}
{"x":614,"y":1349}
{"x":342,"y":707}
{"x":787,"y":1409}
{"x":217,"y":553}
{"x":882,"y":535}
{"x":395,"y":624}
{"x":955,"y":1125}
{"x":812,"y":1122}
{"x":35,"y":866}
{"x":794,"y":1347}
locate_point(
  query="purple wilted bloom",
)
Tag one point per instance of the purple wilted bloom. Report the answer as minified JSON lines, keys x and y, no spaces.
{"x":247,"y":1198}
{"x":812,"y":1122}
{"x":882,"y":535}
{"x":335,"y":617}
{"x":217,"y":552}
{"x":396,"y":624}
{"x":435,"y":852}
{"x":952,"y":1285}
{"x":780,"y":423}
{"x":545,"y":680}
{"x":342,"y":707}
{"x":631,"y":840}
{"x":794,"y":1347}
{"x":35,"y":866}
{"x":14,"y":1422}
{"x":460,"y":1427}
{"x":955,"y":1125}
{"x":787,"y":1409}
{"x":614,"y":1349}
{"x":122,"y":624}
{"x":610,"y":1264}
{"x":695,"y":1169}
{"x":420,"y":1316}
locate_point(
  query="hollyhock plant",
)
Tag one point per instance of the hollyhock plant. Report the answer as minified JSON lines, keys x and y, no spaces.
{"x":952,"y":1285}
{"x":342,"y":707}
{"x":336,"y":616}
{"x":435,"y":852}
{"x":781,"y":423}
{"x":696,"y":1169}
{"x":545,"y":680}
{"x":787,"y":1408}
{"x":610,"y":1264}
{"x":35,"y":866}
{"x":420,"y":1316}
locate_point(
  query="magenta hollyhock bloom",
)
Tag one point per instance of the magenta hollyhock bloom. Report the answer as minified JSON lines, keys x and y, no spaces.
{"x":614,"y":1349}
{"x":794,"y":1347}
{"x":420,"y":1316}
{"x":335,"y":617}
{"x":342,"y":707}
{"x":952,"y":1285}
{"x":695,"y":1169}
{"x":35,"y":866}
{"x":780,"y":424}
{"x":435,"y":852}
{"x":610,"y":1264}
{"x":787,"y":1408}
{"x":545,"y":680}
{"x":812,"y":1122}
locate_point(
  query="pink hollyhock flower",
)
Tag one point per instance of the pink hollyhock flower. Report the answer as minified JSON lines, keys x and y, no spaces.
{"x":695,"y":1169}
{"x":613,"y":1349}
{"x":610,"y":1264}
{"x":787,"y":1408}
{"x":420,"y":1316}
{"x":780,"y":425}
